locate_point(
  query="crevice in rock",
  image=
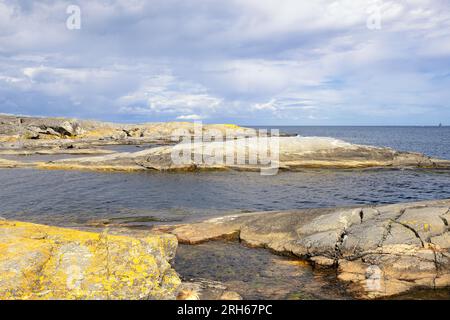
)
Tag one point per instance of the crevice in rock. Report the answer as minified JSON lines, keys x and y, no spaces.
{"x":104,"y":241}
{"x":413,"y":231}
{"x":43,"y":266}
{"x":444,"y":220}
{"x":338,"y":246}
{"x":437,"y":266}
{"x":386,"y":233}
{"x":402,"y":211}
{"x":388,"y":227}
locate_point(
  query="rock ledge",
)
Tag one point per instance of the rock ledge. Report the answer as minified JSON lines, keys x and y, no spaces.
{"x":380,"y":251}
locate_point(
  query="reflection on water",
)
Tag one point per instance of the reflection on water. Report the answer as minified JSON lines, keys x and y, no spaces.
{"x":259,"y":274}
{"x":256,"y":273}
{"x":425,"y":294}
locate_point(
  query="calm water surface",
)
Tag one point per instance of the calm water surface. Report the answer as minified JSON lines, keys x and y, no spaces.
{"x":73,"y":197}
{"x":433,"y":141}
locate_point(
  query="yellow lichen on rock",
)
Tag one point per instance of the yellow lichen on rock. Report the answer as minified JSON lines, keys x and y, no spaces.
{"x":43,"y":262}
{"x":4,"y":163}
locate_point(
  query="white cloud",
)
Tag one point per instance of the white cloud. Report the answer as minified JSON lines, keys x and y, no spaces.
{"x":190,"y":117}
{"x":252,"y":60}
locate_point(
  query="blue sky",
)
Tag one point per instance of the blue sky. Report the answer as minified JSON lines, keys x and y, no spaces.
{"x":284,"y":62}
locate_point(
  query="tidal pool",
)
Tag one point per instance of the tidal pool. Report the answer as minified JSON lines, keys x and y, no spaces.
{"x":256,"y":273}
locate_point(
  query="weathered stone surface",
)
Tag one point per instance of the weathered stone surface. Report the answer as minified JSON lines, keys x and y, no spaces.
{"x":203,"y":289}
{"x":58,"y":135}
{"x":17,"y":132}
{"x":43,"y":262}
{"x":294,"y":153}
{"x":382,"y":250}
{"x":8,"y":163}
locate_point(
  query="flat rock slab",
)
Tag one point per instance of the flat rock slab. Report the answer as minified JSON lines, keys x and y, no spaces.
{"x":43,"y":262}
{"x":380,"y":250}
{"x":294,"y":153}
{"x":59,"y":135}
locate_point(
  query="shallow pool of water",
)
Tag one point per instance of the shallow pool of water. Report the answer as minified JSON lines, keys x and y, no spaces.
{"x":256,"y":273}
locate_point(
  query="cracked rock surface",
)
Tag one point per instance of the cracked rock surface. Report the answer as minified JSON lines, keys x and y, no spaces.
{"x":43,"y":262}
{"x":380,"y":251}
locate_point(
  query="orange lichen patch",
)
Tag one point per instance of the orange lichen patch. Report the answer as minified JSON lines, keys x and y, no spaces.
{"x":43,"y":262}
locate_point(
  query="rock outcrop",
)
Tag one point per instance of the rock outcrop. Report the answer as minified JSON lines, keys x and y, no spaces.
{"x":380,"y":250}
{"x":17,"y":132}
{"x":293,"y":153}
{"x":243,"y":148}
{"x":9,"y":164}
{"x":43,"y":262}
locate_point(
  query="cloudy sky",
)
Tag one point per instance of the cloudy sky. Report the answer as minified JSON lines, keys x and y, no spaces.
{"x":293,"y":62}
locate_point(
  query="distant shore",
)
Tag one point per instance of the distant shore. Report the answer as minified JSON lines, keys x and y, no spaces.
{"x":58,"y":136}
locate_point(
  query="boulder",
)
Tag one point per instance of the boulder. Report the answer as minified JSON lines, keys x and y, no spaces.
{"x":44,"y":262}
{"x":69,"y":128}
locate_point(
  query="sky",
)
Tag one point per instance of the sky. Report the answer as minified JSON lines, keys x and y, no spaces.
{"x":250,"y":62}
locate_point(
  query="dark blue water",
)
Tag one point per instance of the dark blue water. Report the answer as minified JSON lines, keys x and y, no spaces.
{"x":433,"y":141}
{"x":73,"y":198}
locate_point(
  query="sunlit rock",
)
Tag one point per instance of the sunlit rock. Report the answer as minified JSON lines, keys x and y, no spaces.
{"x":43,"y":262}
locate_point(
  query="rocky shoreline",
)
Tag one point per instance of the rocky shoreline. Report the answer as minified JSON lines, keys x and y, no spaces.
{"x":295,"y":154}
{"x":39,"y":133}
{"x":54,"y":136}
{"x":39,"y":262}
{"x":380,"y":251}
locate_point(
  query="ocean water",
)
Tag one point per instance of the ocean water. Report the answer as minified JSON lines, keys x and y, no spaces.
{"x":73,"y":198}
{"x":433,"y":141}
